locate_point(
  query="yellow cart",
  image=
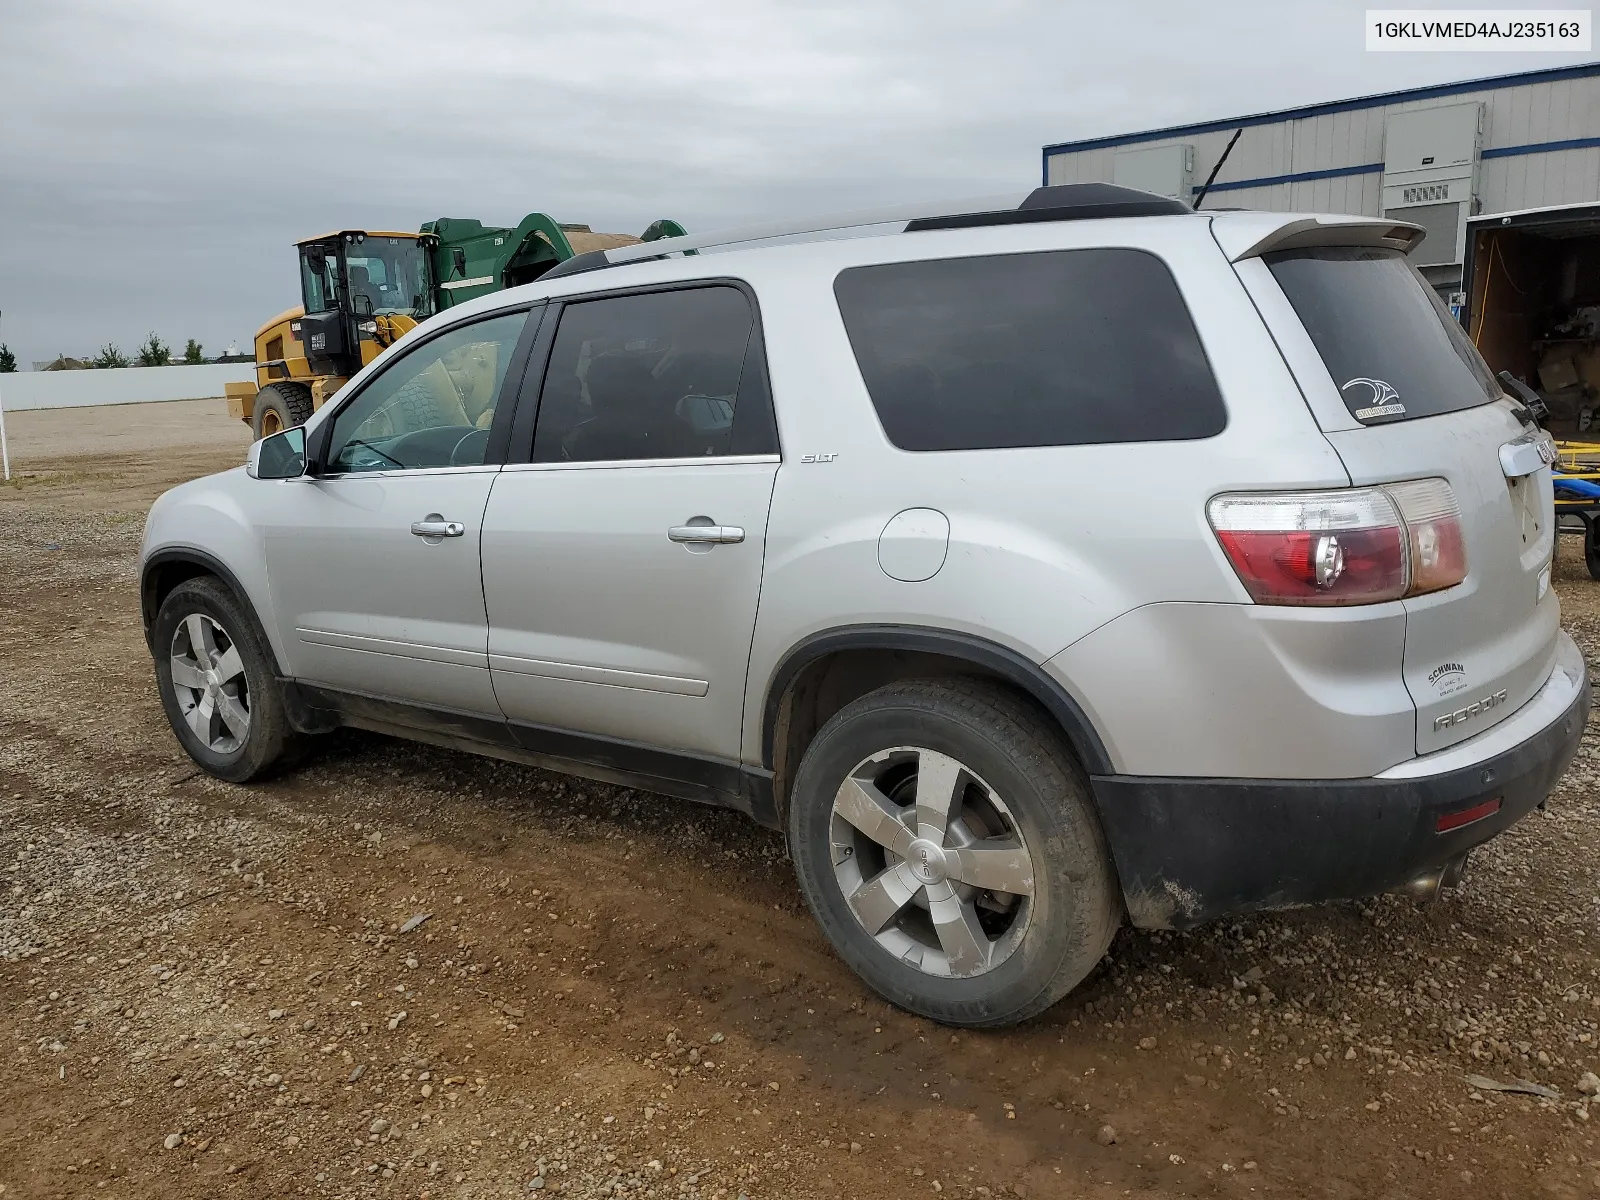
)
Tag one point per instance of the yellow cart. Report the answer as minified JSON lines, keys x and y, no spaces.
{"x":1577,"y":489}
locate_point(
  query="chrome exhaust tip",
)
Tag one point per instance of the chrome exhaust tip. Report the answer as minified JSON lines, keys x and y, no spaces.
{"x":1427,"y":885}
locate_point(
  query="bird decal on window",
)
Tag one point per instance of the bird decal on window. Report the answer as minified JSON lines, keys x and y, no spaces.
{"x":1384,"y":402}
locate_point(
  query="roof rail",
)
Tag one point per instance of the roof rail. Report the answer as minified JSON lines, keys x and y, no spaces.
{"x":1062,"y":202}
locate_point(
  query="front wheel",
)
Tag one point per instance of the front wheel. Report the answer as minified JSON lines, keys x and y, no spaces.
{"x":218,"y":686}
{"x":944,"y":839}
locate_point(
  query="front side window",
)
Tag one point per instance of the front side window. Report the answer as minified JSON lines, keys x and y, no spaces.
{"x":1390,"y":345}
{"x":1060,"y":348}
{"x":431,"y":407}
{"x":647,"y":376}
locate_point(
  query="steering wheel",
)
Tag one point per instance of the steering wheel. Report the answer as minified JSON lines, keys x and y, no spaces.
{"x":469,"y":451}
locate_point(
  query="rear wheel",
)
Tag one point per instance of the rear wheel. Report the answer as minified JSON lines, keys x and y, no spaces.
{"x":218,"y":685}
{"x":944,"y":839}
{"x":280,"y":406}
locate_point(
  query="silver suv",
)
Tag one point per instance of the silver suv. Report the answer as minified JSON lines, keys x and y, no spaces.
{"x":1033,"y":564}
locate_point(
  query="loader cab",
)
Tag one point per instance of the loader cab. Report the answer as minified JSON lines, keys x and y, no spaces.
{"x":360,"y":291}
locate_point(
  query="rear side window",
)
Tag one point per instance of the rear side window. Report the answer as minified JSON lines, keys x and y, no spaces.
{"x":1064,"y":348}
{"x":657,"y":375}
{"x":1390,"y":345}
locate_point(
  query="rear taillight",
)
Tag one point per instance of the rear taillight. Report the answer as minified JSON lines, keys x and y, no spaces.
{"x":1350,"y":546}
{"x":1345,"y":547}
{"x":1435,"y":550}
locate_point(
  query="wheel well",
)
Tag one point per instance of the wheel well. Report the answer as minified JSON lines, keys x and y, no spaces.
{"x":159,"y":581}
{"x":179,"y":566}
{"x":828,"y":682}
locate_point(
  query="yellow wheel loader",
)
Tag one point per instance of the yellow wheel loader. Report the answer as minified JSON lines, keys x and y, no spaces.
{"x":363,"y":290}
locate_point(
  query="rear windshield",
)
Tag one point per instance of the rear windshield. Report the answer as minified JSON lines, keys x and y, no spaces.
{"x":1060,"y":348}
{"x":1390,"y":345}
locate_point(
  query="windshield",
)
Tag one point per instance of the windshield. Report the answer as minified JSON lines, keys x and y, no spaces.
{"x":1391,"y":347}
{"x":392,"y":273}
{"x":388,"y":273}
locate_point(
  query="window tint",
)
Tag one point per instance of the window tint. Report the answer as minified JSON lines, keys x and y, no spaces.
{"x":1055,"y":349}
{"x":431,"y":407}
{"x":1390,"y":345}
{"x":649,"y":376}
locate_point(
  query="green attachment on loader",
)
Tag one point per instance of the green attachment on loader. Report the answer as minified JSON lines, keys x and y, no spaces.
{"x":471,"y":259}
{"x":664,"y":228}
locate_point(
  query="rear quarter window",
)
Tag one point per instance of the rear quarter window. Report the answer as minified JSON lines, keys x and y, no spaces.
{"x":1388,"y":342}
{"x":1060,"y":348}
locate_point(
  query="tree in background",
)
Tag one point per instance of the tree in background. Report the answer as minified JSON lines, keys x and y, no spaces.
{"x":8,"y":360}
{"x":110,"y":356}
{"x":155,"y":353}
{"x":192,"y":353}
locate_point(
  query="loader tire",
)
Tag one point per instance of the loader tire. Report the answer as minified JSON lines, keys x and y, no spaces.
{"x":280,"y":406}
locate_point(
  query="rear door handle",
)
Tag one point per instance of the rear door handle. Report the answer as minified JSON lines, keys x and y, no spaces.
{"x":435,"y":526}
{"x":715,"y":535}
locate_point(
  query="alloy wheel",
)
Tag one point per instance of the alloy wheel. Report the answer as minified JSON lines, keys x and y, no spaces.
{"x":209,"y":683}
{"x":931,"y":862}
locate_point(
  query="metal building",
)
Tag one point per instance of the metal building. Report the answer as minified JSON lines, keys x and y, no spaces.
{"x":1432,"y":155}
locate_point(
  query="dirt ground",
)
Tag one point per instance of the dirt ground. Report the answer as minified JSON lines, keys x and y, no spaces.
{"x":208,"y":990}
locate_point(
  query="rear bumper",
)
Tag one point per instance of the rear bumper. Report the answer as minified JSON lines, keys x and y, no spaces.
{"x":1189,"y":850}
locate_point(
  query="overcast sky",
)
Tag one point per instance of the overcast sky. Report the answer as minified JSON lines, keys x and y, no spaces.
{"x":158,"y":159}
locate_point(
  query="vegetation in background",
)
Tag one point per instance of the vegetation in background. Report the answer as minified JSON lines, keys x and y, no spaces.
{"x":192,"y":353}
{"x":155,"y":353}
{"x":8,"y":360}
{"x":110,"y":356}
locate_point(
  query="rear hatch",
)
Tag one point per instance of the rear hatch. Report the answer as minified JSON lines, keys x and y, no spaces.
{"x":1415,"y":401}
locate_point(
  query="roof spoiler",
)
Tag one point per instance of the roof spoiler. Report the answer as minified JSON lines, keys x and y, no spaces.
{"x":1243,"y":237}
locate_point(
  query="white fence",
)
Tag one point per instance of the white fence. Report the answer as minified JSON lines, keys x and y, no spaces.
{"x":119,"y":385}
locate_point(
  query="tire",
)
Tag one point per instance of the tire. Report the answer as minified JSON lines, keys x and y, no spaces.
{"x":1591,"y":548}
{"x":1014,"y":778}
{"x":417,"y":405}
{"x":206,"y":717}
{"x":280,"y":406}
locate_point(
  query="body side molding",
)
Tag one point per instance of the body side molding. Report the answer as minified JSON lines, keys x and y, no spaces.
{"x":711,"y":781}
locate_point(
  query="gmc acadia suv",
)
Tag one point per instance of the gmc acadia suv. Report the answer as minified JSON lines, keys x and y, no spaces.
{"x":1033,"y":564}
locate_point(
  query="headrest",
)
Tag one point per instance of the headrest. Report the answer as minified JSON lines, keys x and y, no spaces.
{"x":619,"y":380}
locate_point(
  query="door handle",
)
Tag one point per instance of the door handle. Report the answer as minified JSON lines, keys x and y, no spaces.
{"x":436,"y":526}
{"x":714,"y":535}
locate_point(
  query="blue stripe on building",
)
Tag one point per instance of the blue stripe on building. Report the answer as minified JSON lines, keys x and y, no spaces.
{"x":1542,"y":147}
{"x":1520,"y":79}
{"x":1301,"y":177}
{"x":1234,"y":185}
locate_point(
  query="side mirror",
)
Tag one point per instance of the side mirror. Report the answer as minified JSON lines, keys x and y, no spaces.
{"x":316,"y":260}
{"x":281,"y":456}
{"x":458,"y":259}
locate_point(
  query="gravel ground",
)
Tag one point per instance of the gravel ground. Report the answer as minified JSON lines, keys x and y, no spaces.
{"x":208,"y":990}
